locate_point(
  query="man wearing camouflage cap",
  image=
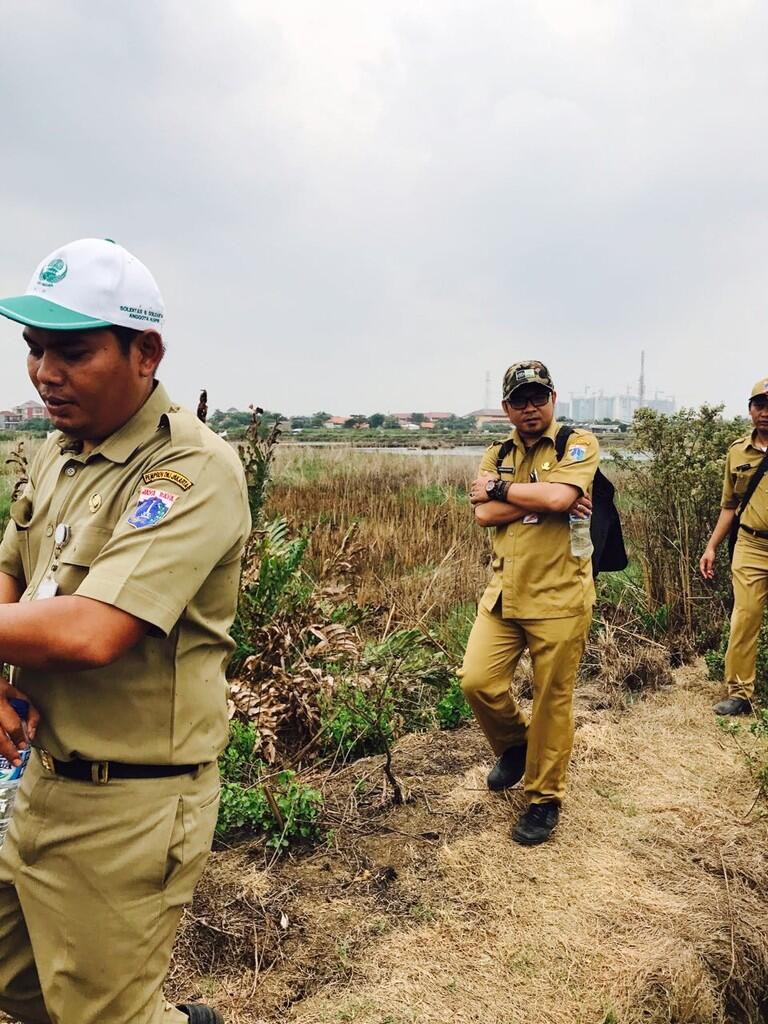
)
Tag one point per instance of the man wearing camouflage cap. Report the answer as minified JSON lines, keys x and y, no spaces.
{"x":748,"y":513}
{"x":540,"y":597}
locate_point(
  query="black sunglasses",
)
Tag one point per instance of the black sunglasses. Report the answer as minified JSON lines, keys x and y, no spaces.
{"x":537,"y":399}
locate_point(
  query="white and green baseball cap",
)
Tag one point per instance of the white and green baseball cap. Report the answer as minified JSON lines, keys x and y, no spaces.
{"x":89,"y":283}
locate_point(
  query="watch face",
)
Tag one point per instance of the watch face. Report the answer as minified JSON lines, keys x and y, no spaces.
{"x":490,"y":486}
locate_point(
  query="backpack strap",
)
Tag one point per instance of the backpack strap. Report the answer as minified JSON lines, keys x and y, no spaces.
{"x":754,"y":480}
{"x":561,"y":439}
{"x":504,"y":449}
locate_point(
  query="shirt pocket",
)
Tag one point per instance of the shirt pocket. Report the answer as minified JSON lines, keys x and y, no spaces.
{"x":77,"y":556}
{"x":741,"y":478}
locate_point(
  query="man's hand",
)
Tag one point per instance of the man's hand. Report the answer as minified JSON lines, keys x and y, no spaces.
{"x":582,"y":507}
{"x":12,"y":735}
{"x":707,"y":563}
{"x":477,"y":491}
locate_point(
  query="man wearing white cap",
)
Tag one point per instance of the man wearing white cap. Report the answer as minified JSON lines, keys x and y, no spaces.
{"x":119,"y":574}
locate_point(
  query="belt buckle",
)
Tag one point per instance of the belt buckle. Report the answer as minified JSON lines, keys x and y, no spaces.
{"x":100,"y":772}
{"x":47,"y":760}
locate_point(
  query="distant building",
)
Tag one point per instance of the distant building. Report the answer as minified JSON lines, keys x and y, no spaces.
{"x":335,"y":421}
{"x":483,"y":416}
{"x":30,"y":411}
{"x":625,"y":408}
{"x":666,"y":406}
{"x":593,"y":408}
{"x":604,"y":428}
{"x":439,"y":416}
{"x":583,"y":409}
{"x":562,"y":410}
{"x":9,"y":419}
{"x":604,"y":407}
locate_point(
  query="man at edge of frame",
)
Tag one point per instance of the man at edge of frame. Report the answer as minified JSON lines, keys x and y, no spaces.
{"x":750,"y":555}
{"x":540,"y":597}
{"x":119,"y":575}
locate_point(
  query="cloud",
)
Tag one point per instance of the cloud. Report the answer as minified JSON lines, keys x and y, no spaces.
{"x":358,"y":205}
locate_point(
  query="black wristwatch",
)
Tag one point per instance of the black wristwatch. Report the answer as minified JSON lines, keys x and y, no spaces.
{"x":496,"y":489}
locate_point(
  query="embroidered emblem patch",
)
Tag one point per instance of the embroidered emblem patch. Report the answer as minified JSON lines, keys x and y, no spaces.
{"x":168,"y":474}
{"x":152,"y":506}
{"x":577,"y":452}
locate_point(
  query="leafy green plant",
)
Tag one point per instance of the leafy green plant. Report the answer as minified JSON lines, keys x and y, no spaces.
{"x":669,"y":493}
{"x":356,"y":722}
{"x":715,"y":659}
{"x":278,"y":586}
{"x":452,"y":709}
{"x":277,"y":806}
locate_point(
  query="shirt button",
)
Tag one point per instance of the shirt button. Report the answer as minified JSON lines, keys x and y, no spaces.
{"x":49,"y":530}
{"x":70,"y":470}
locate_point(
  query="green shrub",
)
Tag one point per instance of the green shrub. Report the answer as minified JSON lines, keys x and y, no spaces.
{"x":245,"y":804}
{"x":452,"y":631}
{"x":279,"y":588}
{"x":669,"y":495}
{"x":357,"y":722}
{"x":452,"y":708}
{"x":715,"y":659}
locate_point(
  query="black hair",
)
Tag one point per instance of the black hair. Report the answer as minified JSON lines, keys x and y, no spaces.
{"x":125,"y":337}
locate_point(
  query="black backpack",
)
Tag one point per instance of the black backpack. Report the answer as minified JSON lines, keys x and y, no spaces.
{"x":609,"y":555}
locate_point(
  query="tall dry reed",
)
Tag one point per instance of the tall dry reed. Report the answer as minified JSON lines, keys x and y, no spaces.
{"x":423,"y":554}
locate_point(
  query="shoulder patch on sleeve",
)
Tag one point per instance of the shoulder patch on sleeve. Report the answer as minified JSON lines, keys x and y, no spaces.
{"x":153,"y":506}
{"x":578,"y":452}
{"x":171,"y":475}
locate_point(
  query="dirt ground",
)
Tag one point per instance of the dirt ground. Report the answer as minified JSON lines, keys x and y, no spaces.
{"x":649,"y":905}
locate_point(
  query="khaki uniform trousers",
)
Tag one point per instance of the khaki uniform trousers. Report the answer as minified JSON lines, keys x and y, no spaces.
{"x":493,"y":651}
{"x":93,"y":880}
{"x":750,"y":590}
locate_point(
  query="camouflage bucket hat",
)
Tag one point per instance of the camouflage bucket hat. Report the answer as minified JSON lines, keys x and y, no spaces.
{"x":530,"y":371}
{"x":760,"y":388}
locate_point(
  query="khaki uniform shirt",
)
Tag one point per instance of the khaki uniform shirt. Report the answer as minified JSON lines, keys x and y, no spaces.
{"x":533,"y":568}
{"x":741,"y":461}
{"x":157,"y":517}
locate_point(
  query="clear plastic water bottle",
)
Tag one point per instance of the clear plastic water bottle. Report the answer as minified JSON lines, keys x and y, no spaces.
{"x":581,"y":539}
{"x":10,"y":775}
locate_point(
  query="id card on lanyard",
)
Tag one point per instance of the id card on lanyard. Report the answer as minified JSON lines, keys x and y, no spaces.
{"x":48,"y":586}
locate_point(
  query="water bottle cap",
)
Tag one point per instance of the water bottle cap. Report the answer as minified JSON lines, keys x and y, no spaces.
{"x":21,"y":707}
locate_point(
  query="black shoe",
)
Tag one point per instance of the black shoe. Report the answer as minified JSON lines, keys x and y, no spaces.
{"x":199,"y":1013}
{"x":733,"y":706}
{"x":536,"y":824}
{"x":509,"y":769}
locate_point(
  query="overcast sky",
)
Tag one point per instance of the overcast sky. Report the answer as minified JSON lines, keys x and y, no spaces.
{"x":359,"y":206}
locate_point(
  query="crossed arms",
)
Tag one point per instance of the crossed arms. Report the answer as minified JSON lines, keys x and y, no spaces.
{"x":522,"y":499}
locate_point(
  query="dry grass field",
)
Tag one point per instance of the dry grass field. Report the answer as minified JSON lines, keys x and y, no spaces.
{"x":422,"y":555}
{"x":648,"y":906}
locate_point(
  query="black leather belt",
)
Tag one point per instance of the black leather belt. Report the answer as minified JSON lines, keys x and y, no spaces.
{"x":101,"y":772}
{"x":762,"y":534}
